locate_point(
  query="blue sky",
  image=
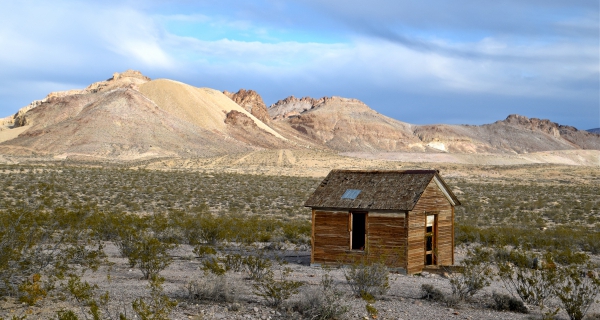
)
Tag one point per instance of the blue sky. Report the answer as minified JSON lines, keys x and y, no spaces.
{"x":438,"y":61}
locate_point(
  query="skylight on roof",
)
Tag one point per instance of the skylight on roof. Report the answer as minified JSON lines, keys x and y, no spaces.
{"x":351,"y":194}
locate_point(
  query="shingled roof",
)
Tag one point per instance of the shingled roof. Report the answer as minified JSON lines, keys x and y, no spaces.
{"x":374,"y":190}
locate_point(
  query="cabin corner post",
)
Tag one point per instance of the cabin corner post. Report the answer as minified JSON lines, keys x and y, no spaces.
{"x":453,"y":235}
{"x":312,"y":238}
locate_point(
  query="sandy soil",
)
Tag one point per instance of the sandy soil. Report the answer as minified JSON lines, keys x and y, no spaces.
{"x":8,"y":133}
{"x":202,"y":106}
{"x":563,"y":157}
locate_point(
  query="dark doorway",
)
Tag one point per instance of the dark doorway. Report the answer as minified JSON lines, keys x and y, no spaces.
{"x":358,"y":231}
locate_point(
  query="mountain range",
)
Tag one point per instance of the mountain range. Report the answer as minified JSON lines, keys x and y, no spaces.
{"x":130,"y":116}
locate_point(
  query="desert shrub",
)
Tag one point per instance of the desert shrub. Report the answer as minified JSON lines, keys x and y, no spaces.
{"x":212,"y":265}
{"x":528,"y":277}
{"x":504,"y":302}
{"x":39,"y":248}
{"x":66,"y":315}
{"x":475,"y":275}
{"x":297,"y":231}
{"x":322,"y":303}
{"x":233,"y":262}
{"x":429,"y":292}
{"x":257,"y":266}
{"x":157,"y":306}
{"x":212,"y":229}
{"x":276,"y":291}
{"x":150,"y":255}
{"x":367,"y":279}
{"x":212,"y":288}
{"x":371,"y":310}
{"x":569,"y":257}
{"x":32,"y":290}
{"x":578,"y":289}
{"x":202,"y":250}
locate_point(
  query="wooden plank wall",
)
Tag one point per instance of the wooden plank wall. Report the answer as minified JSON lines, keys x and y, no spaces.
{"x":432,"y":201}
{"x":387,"y":238}
{"x":416,"y":241}
{"x":331,"y":236}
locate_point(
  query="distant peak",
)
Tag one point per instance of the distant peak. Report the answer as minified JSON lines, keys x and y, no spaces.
{"x":129,"y":74}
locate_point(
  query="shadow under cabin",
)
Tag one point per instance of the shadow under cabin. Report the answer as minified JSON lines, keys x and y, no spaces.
{"x":403,"y":218}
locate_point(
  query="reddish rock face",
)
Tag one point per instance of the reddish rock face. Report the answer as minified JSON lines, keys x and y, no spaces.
{"x":237,"y":118}
{"x":252,"y":102}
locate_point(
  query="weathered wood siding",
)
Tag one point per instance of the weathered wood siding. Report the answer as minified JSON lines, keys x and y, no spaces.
{"x":416,"y":241}
{"x":432,"y":201}
{"x":330,"y":236}
{"x":387,"y":238}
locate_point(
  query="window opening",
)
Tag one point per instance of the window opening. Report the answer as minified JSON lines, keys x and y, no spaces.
{"x":430,"y":240}
{"x":358,"y":231}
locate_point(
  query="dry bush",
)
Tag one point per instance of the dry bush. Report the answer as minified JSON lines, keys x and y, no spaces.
{"x":429,"y":292}
{"x":578,"y":289}
{"x":213,"y":288}
{"x":322,"y":303}
{"x":369,"y":280}
{"x":504,"y":302}
{"x":275,"y":291}
{"x":475,"y":275}
{"x":526,"y":276}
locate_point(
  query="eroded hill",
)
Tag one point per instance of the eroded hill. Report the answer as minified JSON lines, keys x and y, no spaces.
{"x":130,"y":116}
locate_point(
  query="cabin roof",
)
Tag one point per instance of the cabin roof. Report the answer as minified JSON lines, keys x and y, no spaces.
{"x":375,"y":190}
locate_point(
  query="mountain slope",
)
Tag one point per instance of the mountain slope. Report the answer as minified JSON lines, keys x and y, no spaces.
{"x":348,"y":125}
{"x":515,"y":134}
{"x":118,"y":124}
{"x":130,"y":117}
{"x":344,"y":125}
{"x":595,"y":130}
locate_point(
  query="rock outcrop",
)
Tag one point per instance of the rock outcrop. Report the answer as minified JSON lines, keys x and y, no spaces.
{"x":128,"y":79}
{"x":292,"y":106}
{"x":252,"y":102}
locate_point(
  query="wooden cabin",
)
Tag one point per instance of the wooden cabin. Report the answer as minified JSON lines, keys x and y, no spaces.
{"x":403,"y":218}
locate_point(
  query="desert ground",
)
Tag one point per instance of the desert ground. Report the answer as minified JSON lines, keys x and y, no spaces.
{"x":554,"y":181}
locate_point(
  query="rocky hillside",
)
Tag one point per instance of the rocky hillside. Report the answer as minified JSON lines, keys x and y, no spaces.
{"x":348,"y":125}
{"x":344,"y":124}
{"x":130,"y":116}
{"x":595,"y":130}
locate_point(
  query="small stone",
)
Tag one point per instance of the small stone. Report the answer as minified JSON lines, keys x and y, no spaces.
{"x":255,"y":309}
{"x":455,"y":313}
{"x":424,"y":273}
